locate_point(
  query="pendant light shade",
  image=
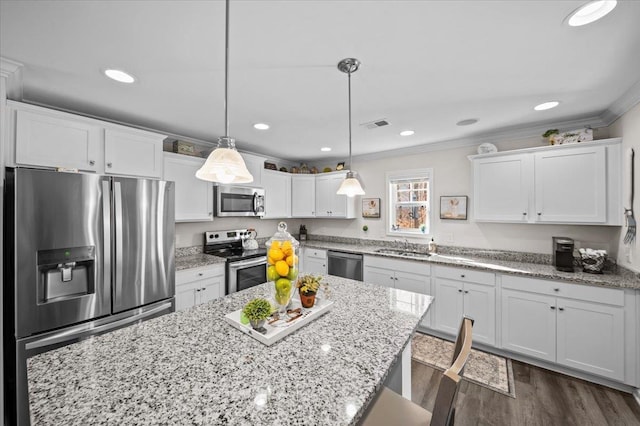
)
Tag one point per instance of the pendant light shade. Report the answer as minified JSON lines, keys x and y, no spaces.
{"x":351,"y":185}
{"x":225,"y":164}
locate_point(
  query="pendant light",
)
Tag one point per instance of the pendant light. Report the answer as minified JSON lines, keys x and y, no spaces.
{"x":225,"y":164}
{"x":351,"y":185}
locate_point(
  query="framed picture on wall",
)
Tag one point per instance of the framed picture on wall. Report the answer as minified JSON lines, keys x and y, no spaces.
{"x":453,"y":207}
{"x":371,"y":208}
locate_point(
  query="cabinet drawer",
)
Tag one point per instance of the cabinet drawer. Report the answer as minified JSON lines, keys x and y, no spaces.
{"x":186,"y":276}
{"x":466,"y":275}
{"x":317,"y":253}
{"x":610,"y":296}
{"x":410,"y":266}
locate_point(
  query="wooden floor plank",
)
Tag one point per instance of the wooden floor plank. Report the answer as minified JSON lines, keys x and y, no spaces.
{"x":542,"y":398}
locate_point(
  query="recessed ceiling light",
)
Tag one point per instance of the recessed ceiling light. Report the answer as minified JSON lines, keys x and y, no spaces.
{"x":590,"y":12}
{"x":546,"y":105}
{"x":325,"y":149}
{"x":467,"y":122}
{"x":407,"y":133}
{"x":119,"y":75}
{"x":261,"y":126}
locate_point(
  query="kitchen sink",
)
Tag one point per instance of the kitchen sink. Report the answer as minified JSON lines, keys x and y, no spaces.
{"x":406,"y":253}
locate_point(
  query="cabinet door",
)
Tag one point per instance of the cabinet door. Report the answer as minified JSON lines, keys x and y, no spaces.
{"x":194,"y":197}
{"x":338,"y":206}
{"x":314,"y":265}
{"x":324,"y":196}
{"x":210,"y":290}
{"x":570,"y":185}
{"x":380,"y":276}
{"x":133,"y":153}
{"x":277,"y":198}
{"x":501,"y":188}
{"x":185,"y":297}
{"x":303,"y":196}
{"x":448,"y":305}
{"x":43,"y":140}
{"x":255,"y":165}
{"x":480,"y":304}
{"x":413,"y":282}
{"x":591,"y":337}
{"x":529,"y":324}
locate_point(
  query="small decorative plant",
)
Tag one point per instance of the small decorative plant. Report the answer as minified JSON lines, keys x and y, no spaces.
{"x":257,"y":310}
{"x":309,"y":284}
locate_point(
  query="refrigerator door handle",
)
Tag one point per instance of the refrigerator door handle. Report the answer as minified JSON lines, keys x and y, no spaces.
{"x":106,"y":220}
{"x":89,"y":329}
{"x":117,"y":204}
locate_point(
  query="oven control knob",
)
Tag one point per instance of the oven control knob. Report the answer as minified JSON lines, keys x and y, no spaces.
{"x":216,"y":235}
{"x":210,"y":236}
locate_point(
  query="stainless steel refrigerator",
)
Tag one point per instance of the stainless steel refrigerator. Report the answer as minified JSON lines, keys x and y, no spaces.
{"x":85,"y":254}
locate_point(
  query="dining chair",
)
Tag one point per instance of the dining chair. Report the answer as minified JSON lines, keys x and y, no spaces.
{"x":390,"y":409}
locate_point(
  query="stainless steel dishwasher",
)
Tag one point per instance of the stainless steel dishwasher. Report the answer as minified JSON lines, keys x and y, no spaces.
{"x":345,"y":265}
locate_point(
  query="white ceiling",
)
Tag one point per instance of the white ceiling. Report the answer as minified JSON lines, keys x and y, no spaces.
{"x":426,"y":66}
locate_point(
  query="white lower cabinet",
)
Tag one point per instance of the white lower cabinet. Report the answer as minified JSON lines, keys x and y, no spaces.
{"x":315,"y":261}
{"x":199,"y":285}
{"x":461,"y":292}
{"x":587,"y":334}
{"x":194,"y":197}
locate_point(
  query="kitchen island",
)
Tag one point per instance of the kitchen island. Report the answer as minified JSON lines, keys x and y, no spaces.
{"x":192,"y":367}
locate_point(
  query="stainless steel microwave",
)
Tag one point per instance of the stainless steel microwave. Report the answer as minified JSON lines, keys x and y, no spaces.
{"x":238,"y":201}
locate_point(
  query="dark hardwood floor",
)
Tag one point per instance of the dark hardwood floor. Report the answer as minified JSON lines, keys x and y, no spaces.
{"x":543,"y":397}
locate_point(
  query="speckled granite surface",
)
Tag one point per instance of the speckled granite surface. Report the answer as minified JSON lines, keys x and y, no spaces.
{"x":623,"y":279}
{"x":192,"y":367}
{"x":196,"y":260}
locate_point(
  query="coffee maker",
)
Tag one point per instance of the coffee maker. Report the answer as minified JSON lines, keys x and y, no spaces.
{"x":563,"y":254}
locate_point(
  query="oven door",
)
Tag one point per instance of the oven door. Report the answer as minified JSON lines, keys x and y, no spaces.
{"x":244,"y":274}
{"x":239,"y":201}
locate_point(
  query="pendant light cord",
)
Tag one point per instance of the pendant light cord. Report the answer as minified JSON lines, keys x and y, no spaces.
{"x":226,"y":71}
{"x":350,"y":166}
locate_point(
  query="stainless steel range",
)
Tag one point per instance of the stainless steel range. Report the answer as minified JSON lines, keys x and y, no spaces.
{"x":245,"y":268}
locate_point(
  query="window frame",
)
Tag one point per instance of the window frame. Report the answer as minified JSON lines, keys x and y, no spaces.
{"x":426,"y":173}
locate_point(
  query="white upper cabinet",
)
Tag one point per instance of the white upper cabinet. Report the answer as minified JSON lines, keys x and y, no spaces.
{"x":194,"y":197}
{"x":57,"y":141}
{"x":49,"y":138}
{"x":330,"y":204}
{"x":303,"y":195}
{"x":502,"y":188}
{"x":577,"y":183}
{"x":255,"y":165}
{"x":570,"y":185}
{"x":133,"y":152}
{"x":277,"y":194}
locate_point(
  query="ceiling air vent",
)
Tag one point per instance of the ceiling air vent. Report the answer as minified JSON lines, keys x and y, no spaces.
{"x":376,"y":123}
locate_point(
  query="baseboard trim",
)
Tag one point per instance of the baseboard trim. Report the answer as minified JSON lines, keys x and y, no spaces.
{"x":544,"y":364}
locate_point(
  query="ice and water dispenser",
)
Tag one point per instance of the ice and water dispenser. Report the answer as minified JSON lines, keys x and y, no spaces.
{"x":65,"y":273}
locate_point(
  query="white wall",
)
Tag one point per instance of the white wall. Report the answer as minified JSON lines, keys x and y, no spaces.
{"x":451,"y":175}
{"x":628,"y":128}
{"x":192,"y":234}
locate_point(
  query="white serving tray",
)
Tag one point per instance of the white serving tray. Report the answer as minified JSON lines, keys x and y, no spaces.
{"x":280,"y":329}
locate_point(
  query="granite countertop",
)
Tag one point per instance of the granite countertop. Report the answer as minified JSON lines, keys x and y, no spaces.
{"x":197,"y":260}
{"x":623,"y":279}
{"x":192,"y":367}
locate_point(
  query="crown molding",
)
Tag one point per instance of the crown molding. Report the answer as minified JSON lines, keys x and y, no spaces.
{"x":624,"y":103}
{"x":8,"y":67}
{"x":500,"y":135}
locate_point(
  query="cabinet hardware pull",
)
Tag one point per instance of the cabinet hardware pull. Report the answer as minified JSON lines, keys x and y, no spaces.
{"x":210,"y":213}
{"x":459,"y":290}
{"x":561,"y":309}
{"x":461,"y":275}
{"x":466,"y":291}
{"x":539,"y":213}
{"x":91,"y":162}
{"x":552,"y":307}
{"x":200,"y":274}
{"x":391,"y":278}
{"x":197,"y":289}
{"x":524,"y":214}
{"x":556,"y":289}
{"x":109,"y":165}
